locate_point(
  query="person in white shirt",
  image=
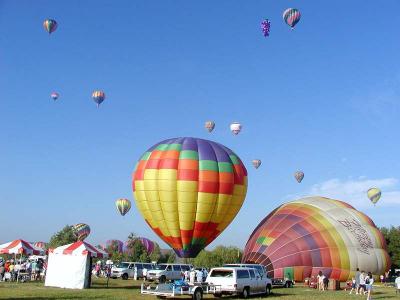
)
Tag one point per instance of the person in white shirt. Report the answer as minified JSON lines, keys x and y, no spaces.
{"x":320,"y":278}
{"x":369,"y":280}
{"x":362,"y":283}
{"x":199,"y":276}
{"x":192,"y":276}
{"x":397,"y":283}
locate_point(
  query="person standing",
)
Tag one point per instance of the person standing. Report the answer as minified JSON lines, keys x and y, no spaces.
{"x":362,"y":283}
{"x":320,"y":278}
{"x":397,"y":283}
{"x":369,"y":280}
{"x":357,"y":278}
{"x":2,"y":271}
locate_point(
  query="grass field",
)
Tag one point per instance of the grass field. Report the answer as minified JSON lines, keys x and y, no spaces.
{"x":129,"y":289}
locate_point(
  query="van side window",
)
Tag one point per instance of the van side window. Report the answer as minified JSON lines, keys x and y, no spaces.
{"x":252,"y":274}
{"x":176,"y":268}
{"x":169,"y":268}
{"x":139,"y":266}
{"x":185,"y":267}
{"x":243,"y":274}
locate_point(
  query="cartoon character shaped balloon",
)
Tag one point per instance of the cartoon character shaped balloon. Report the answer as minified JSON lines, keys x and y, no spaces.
{"x":123,"y":205}
{"x":265,"y":27}
{"x":291,"y":16}
{"x":299,"y":175}
{"x":236,"y":128}
{"x":209,"y":125}
{"x":374,"y":194}
{"x":98,"y":97}
{"x":50,"y":25}
{"x":81,"y":231}
{"x":189,"y":190}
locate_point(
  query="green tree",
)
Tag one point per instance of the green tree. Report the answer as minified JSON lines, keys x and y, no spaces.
{"x":63,"y":237}
{"x":219,"y":256}
{"x":156,"y":254}
{"x":392,"y":237}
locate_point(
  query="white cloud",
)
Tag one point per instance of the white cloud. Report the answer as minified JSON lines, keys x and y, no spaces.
{"x":354,"y":191}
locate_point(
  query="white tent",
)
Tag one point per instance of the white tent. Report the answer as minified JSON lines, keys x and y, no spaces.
{"x":69,"y":265}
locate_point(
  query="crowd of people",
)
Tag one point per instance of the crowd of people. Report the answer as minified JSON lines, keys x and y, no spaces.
{"x":362,"y":283}
{"x":26,"y":269}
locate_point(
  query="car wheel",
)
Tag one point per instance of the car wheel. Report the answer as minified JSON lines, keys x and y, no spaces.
{"x":124,"y":276}
{"x":246,"y":293}
{"x":163,"y":279}
{"x":197,"y":295}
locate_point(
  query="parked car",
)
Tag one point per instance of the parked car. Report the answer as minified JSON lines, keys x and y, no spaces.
{"x":126,"y":270}
{"x":166,"y":272}
{"x":241,"y":281}
{"x":281,"y":282}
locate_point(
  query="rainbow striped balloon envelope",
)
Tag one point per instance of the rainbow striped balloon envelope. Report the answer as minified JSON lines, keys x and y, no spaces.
{"x":303,"y":237}
{"x":189,"y":190}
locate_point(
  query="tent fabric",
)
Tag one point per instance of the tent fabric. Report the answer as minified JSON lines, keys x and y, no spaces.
{"x":68,"y":271}
{"x":20,"y":247}
{"x":80,"y":248}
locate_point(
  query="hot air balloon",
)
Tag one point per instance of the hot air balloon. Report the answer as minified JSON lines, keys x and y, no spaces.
{"x":374,"y":194}
{"x":256,"y":163}
{"x":209,"y":125}
{"x":123,"y":206}
{"x":236,"y":128}
{"x":189,"y":190}
{"x":50,"y":25}
{"x":291,"y":16}
{"x":265,"y":27}
{"x":98,"y":97}
{"x":54,"y":96}
{"x":300,"y":238}
{"x":114,"y":246}
{"x":299,"y":175}
{"x":81,"y":231}
{"x":41,"y":245}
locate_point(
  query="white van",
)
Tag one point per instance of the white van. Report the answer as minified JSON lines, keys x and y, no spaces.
{"x":260,"y":268}
{"x":126,"y":270}
{"x":164,"y":272}
{"x":241,"y":281}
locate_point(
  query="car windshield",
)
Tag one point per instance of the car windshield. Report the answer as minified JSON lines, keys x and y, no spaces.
{"x":221,"y":273}
{"x":122,"y":265}
{"x":160,"y":267}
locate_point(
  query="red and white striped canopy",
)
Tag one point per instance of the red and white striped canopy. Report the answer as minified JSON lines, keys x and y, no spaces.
{"x":20,"y":247}
{"x":80,"y":248}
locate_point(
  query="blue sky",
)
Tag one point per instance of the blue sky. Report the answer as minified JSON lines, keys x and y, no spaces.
{"x":322,"y":98}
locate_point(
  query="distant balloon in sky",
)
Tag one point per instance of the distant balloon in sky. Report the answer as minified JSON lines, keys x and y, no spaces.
{"x":265,"y":27}
{"x":98,"y":97}
{"x":256,"y":163}
{"x":236,"y":128}
{"x":374,"y":194}
{"x":299,"y":175}
{"x":54,"y":96}
{"x":81,"y":231}
{"x":209,"y":125}
{"x":123,"y":206}
{"x":50,"y":25}
{"x":291,"y":16}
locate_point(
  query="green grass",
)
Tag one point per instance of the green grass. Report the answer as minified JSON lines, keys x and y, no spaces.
{"x":129,"y":289}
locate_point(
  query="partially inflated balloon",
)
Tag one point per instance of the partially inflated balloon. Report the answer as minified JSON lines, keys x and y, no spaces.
{"x":54,"y":96}
{"x":265,"y":27}
{"x":236,"y":128}
{"x":98,"y":97}
{"x":374,"y":194}
{"x":50,"y":25}
{"x":256,"y":163}
{"x":82,"y":231}
{"x":209,"y":125}
{"x":123,"y":206}
{"x":299,"y":239}
{"x":189,"y":190}
{"x":291,"y":16}
{"x":41,"y":245}
{"x":299,"y":175}
{"x":114,"y":246}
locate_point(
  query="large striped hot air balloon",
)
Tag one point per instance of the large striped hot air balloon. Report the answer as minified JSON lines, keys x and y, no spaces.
{"x":123,"y":205}
{"x":300,"y":238}
{"x":291,"y":16}
{"x":50,"y":25}
{"x":189,"y":190}
{"x":81,"y":231}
